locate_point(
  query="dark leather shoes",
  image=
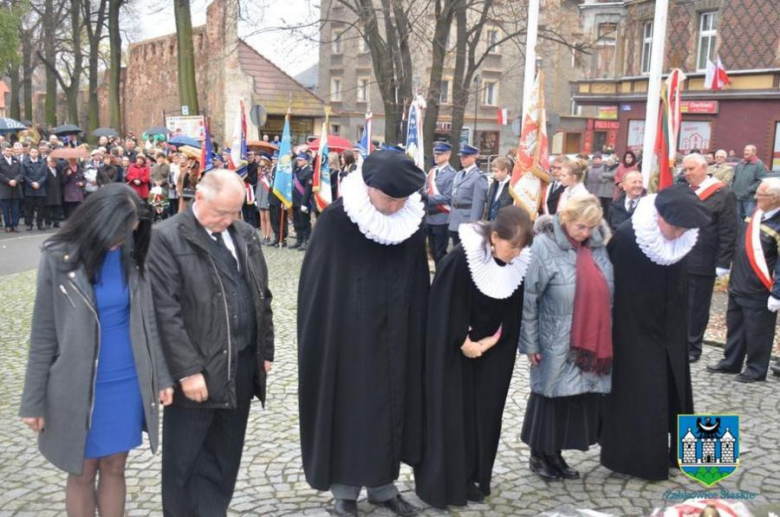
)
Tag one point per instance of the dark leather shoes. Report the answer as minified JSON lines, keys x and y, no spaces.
{"x":775,"y":368}
{"x":344,"y":508}
{"x":693,"y":358}
{"x":474,"y":494}
{"x":566,"y":472}
{"x":744,"y":378}
{"x":297,"y":245}
{"x":398,"y":505}
{"x":720,"y":369}
{"x":540,"y":465}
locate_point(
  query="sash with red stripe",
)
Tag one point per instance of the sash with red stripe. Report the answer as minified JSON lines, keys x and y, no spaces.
{"x":433,"y":190}
{"x":755,"y":252}
{"x":266,"y":185}
{"x":707,"y":192}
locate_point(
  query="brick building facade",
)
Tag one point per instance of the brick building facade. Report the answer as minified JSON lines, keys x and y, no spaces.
{"x":745,"y":34}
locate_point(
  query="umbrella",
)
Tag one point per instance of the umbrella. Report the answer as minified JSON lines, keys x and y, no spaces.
{"x":190,"y":152}
{"x":268,"y":146}
{"x":180,"y":140}
{"x":26,"y":122}
{"x":67,"y":153}
{"x":66,"y":129}
{"x":157,"y":130}
{"x":9,"y":124}
{"x":105,"y":131}
{"x":335,"y":143}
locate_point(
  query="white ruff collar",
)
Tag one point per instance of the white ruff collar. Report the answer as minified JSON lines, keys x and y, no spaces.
{"x":491,"y":279}
{"x":652,"y":242}
{"x":381,"y":228}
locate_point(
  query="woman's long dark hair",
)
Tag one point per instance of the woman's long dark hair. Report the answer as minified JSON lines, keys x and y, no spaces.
{"x":628,"y":153}
{"x":106,"y":219}
{"x":512,"y":223}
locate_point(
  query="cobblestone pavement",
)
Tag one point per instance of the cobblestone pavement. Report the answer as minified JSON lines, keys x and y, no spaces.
{"x":271,"y":481}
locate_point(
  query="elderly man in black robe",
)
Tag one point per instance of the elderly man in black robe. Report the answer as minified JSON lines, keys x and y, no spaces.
{"x":651,"y":382}
{"x":362,"y":302}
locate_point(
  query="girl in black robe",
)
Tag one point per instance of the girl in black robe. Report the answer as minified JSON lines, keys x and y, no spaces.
{"x":475,"y":308}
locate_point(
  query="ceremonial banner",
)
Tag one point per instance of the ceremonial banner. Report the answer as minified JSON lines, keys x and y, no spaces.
{"x":323,"y":195}
{"x":669,"y":119}
{"x":283,"y":177}
{"x":530,"y":172}
{"x":206,"y":158}
{"x":365,"y":140}
{"x":238,"y":149}
{"x":414,"y":133}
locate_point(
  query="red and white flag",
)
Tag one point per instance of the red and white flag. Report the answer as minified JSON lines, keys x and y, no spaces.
{"x":503,"y":116}
{"x":716,"y":77}
{"x":532,"y":153}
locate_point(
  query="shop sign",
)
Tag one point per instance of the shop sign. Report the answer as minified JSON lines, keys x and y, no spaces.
{"x":694,"y":135}
{"x":699,"y":107}
{"x":606,"y":124}
{"x":607,"y":113}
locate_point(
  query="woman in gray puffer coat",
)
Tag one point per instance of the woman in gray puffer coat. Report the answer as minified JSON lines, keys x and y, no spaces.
{"x":566,"y":333}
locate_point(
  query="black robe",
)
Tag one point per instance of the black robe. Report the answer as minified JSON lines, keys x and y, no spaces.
{"x":651,"y":381}
{"x":361,"y":329}
{"x":464,"y":398}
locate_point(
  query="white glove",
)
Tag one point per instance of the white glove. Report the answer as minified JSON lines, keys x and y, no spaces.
{"x":304,"y":209}
{"x":721,"y":271}
{"x":773,"y":304}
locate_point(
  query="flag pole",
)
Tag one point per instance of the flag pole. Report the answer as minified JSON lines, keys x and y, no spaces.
{"x":654,"y":88}
{"x":532,"y":34}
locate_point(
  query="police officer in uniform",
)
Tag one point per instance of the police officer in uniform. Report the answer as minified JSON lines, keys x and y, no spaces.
{"x":469,"y":192}
{"x":301,"y":197}
{"x":438,"y":197}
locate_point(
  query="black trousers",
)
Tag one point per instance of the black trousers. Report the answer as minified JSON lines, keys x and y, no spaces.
{"x":53,"y":214}
{"x":34,"y":207}
{"x":699,"y":300}
{"x":750,"y":333}
{"x":455,"y":238}
{"x":302,"y":224}
{"x":438,"y":239}
{"x":69,"y":207}
{"x":276,"y":215}
{"x":202,"y":450}
{"x":250,"y":215}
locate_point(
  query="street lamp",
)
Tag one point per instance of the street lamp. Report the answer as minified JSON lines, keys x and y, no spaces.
{"x":477,"y":80}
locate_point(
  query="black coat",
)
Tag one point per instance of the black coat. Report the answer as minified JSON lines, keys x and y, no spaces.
{"x":192,"y":310}
{"x":304,"y":176}
{"x":743,"y":281}
{"x":361,"y":329}
{"x":715,"y":245}
{"x":464,"y":398}
{"x":54,"y":187}
{"x":8,"y":173}
{"x":505,"y":199}
{"x":650,"y":360}
{"x":617,"y":211}
{"x":552,"y":199}
{"x":35,"y":172}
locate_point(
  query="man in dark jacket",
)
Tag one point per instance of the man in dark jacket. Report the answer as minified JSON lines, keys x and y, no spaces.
{"x":213,"y":304}
{"x":301,"y":198}
{"x":754,"y":290}
{"x":623,"y":207}
{"x":747,"y":176}
{"x":53,"y":200}
{"x":498,"y":195}
{"x":714,"y":248}
{"x":35,"y":178}
{"x":11,"y":180}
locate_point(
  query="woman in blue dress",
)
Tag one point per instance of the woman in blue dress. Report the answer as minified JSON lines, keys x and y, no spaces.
{"x":96,"y":370}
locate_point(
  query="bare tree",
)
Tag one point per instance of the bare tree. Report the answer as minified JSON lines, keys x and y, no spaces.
{"x":115,"y":65}
{"x":94,"y":22}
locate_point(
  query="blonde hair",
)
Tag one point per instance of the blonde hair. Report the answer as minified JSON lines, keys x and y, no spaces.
{"x":576,"y":168}
{"x":582,"y":207}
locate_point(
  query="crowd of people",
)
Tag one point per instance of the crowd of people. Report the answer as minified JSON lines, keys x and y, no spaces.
{"x":605,"y":290}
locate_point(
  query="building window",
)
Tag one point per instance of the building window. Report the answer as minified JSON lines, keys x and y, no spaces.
{"x":492,"y":41}
{"x":708,"y":32}
{"x":335,"y":90}
{"x":444,"y":92}
{"x":362,"y":89}
{"x":335,"y":129}
{"x":647,"y":46}
{"x":490,"y":93}
{"x":337,"y":46}
{"x":606,"y":44}
{"x":776,"y":150}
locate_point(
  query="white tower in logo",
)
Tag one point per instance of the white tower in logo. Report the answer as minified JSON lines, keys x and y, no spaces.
{"x":727,"y":447}
{"x":689,"y":447}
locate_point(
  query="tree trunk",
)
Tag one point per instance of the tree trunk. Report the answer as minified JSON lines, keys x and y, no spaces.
{"x":460,"y":95}
{"x":14,"y":109}
{"x":72,"y":91}
{"x":95,"y":34}
{"x":27,"y":71}
{"x":188,"y":92}
{"x":438,"y":53}
{"x":115,"y":66}
{"x":49,"y":50}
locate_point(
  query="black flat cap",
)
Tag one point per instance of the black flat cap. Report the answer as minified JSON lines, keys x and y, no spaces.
{"x":680,"y":206}
{"x":393,"y":173}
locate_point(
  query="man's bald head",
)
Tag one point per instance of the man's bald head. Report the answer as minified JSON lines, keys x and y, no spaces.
{"x":219,"y":183}
{"x":219,"y":197}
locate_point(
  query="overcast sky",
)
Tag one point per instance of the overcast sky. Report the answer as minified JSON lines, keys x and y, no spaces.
{"x":291,"y":52}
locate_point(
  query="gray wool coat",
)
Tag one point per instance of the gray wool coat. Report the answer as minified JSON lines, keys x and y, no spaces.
{"x":548,"y":307}
{"x":63,"y":358}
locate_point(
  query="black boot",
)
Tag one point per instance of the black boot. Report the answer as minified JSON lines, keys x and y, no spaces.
{"x":298,"y":244}
{"x":540,"y":465}
{"x":304,"y":245}
{"x":473,"y":493}
{"x":566,"y":472}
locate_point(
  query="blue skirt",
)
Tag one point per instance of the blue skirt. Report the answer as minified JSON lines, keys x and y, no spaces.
{"x":117,"y":419}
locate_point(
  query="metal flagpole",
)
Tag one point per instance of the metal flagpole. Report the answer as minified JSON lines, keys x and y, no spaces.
{"x":532,"y":32}
{"x":654,"y":88}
